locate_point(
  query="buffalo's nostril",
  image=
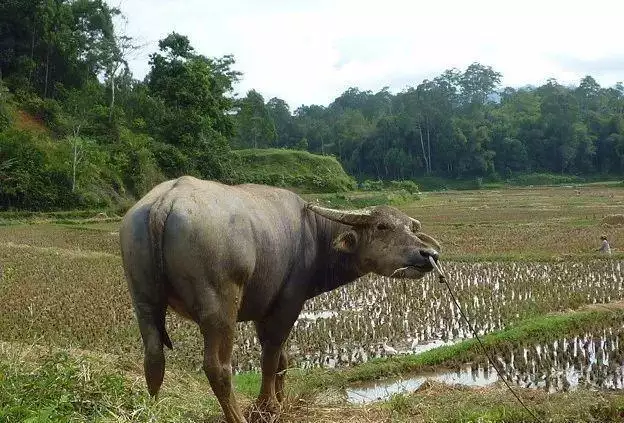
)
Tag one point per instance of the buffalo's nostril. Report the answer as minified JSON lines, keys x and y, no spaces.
{"x":430,"y":253}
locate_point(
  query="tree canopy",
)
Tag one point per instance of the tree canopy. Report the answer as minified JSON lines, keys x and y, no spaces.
{"x":77,"y":129}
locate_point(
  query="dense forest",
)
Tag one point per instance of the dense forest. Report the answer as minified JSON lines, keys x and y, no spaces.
{"x":457,"y":125}
{"x":78,"y":130}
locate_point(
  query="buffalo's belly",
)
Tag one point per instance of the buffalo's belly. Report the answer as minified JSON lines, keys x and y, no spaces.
{"x":259,"y":297}
{"x":176,"y":304}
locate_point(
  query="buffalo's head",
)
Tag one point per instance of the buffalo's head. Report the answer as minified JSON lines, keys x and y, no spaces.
{"x":383,"y":240}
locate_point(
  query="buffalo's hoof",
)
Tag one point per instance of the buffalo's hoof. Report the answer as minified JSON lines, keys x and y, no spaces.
{"x":264,"y":412}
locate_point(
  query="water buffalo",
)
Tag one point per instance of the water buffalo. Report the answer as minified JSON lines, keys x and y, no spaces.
{"x":218,"y":254}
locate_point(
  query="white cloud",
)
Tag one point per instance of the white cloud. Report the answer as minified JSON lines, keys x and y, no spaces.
{"x":310,"y":51}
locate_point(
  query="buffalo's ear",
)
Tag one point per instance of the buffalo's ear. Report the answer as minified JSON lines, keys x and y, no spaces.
{"x":346,"y":242}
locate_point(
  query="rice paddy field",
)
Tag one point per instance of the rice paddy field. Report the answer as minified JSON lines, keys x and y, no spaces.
{"x":522,"y":263}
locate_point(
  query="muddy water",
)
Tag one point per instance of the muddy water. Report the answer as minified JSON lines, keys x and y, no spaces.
{"x":378,"y":391}
{"x":587,"y":361}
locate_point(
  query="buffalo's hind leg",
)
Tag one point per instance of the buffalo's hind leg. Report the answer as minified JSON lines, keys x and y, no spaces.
{"x":149,"y":300}
{"x":218,"y":326}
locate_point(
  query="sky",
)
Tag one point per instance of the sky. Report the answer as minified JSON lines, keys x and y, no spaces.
{"x":309,"y":52}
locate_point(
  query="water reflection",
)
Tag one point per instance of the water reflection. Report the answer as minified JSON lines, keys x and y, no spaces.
{"x":586,"y":361}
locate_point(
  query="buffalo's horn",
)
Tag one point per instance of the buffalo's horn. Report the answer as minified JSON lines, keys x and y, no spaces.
{"x":348,"y":217}
{"x":416,"y":223}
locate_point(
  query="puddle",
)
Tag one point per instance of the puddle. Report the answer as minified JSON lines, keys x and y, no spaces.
{"x":314,"y":315}
{"x":384,"y":390}
{"x":588,"y":361}
{"x":421,"y":348}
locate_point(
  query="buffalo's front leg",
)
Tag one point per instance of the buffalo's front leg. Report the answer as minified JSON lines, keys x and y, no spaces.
{"x":272,"y":334}
{"x":281,"y":374}
{"x":267,"y":400}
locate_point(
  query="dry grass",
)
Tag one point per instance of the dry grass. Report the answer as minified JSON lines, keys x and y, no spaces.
{"x":27,"y":122}
{"x":101,"y":237}
{"x":549,"y":222}
{"x":613,"y":220}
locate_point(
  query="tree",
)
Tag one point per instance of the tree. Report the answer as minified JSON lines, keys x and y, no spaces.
{"x":194,"y":92}
{"x":559,"y":110}
{"x":255,"y":127}
{"x":117,"y":50}
{"x":279,"y":113}
{"x":477,"y":83}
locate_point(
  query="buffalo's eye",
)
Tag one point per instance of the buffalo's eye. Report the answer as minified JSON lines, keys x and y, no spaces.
{"x":383,"y":226}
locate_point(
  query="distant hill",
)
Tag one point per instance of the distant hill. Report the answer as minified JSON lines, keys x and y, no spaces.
{"x":299,"y":170}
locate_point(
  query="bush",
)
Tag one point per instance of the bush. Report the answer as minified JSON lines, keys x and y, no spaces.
{"x":47,"y":110}
{"x":370,"y":185}
{"x":545,"y":179}
{"x":28,"y":180}
{"x":36,"y":173}
{"x":135,"y":162}
{"x":171,"y":160}
{"x":406,"y":185}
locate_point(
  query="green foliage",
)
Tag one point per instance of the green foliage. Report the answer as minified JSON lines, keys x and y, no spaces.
{"x":136,"y":162}
{"x":458,"y":127}
{"x":254,"y":125}
{"x":65,"y":66}
{"x":192,"y":88}
{"x":37,"y":173}
{"x":88,"y":144}
{"x":369,"y":185}
{"x":30,"y":179}
{"x":362,"y":199}
{"x":5,"y":112}
{"x":48,"y":111}
{"x":289,"y":168}
{"x":545,"y":179}
{"x":405,"y":185}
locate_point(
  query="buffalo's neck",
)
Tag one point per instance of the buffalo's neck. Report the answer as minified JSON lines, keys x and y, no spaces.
{"x":333,"y":268}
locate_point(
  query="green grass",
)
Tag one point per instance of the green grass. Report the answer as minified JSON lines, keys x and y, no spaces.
{"x":299,"y":170}
{"x":55,"y":387}
{"x":361,"y":199}
{"x":61,"y":389}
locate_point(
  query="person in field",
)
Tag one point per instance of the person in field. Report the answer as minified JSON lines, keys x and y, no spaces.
{"x":605,"y":248}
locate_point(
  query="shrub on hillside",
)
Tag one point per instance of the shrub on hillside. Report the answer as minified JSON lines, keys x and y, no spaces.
{"x":135,"y":163}
{"x":30,"y":180}
{"x":36,"y":173}
{"x":47,"y":110}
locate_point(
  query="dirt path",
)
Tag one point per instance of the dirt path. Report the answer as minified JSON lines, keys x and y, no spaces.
{"x":612,"y":306}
